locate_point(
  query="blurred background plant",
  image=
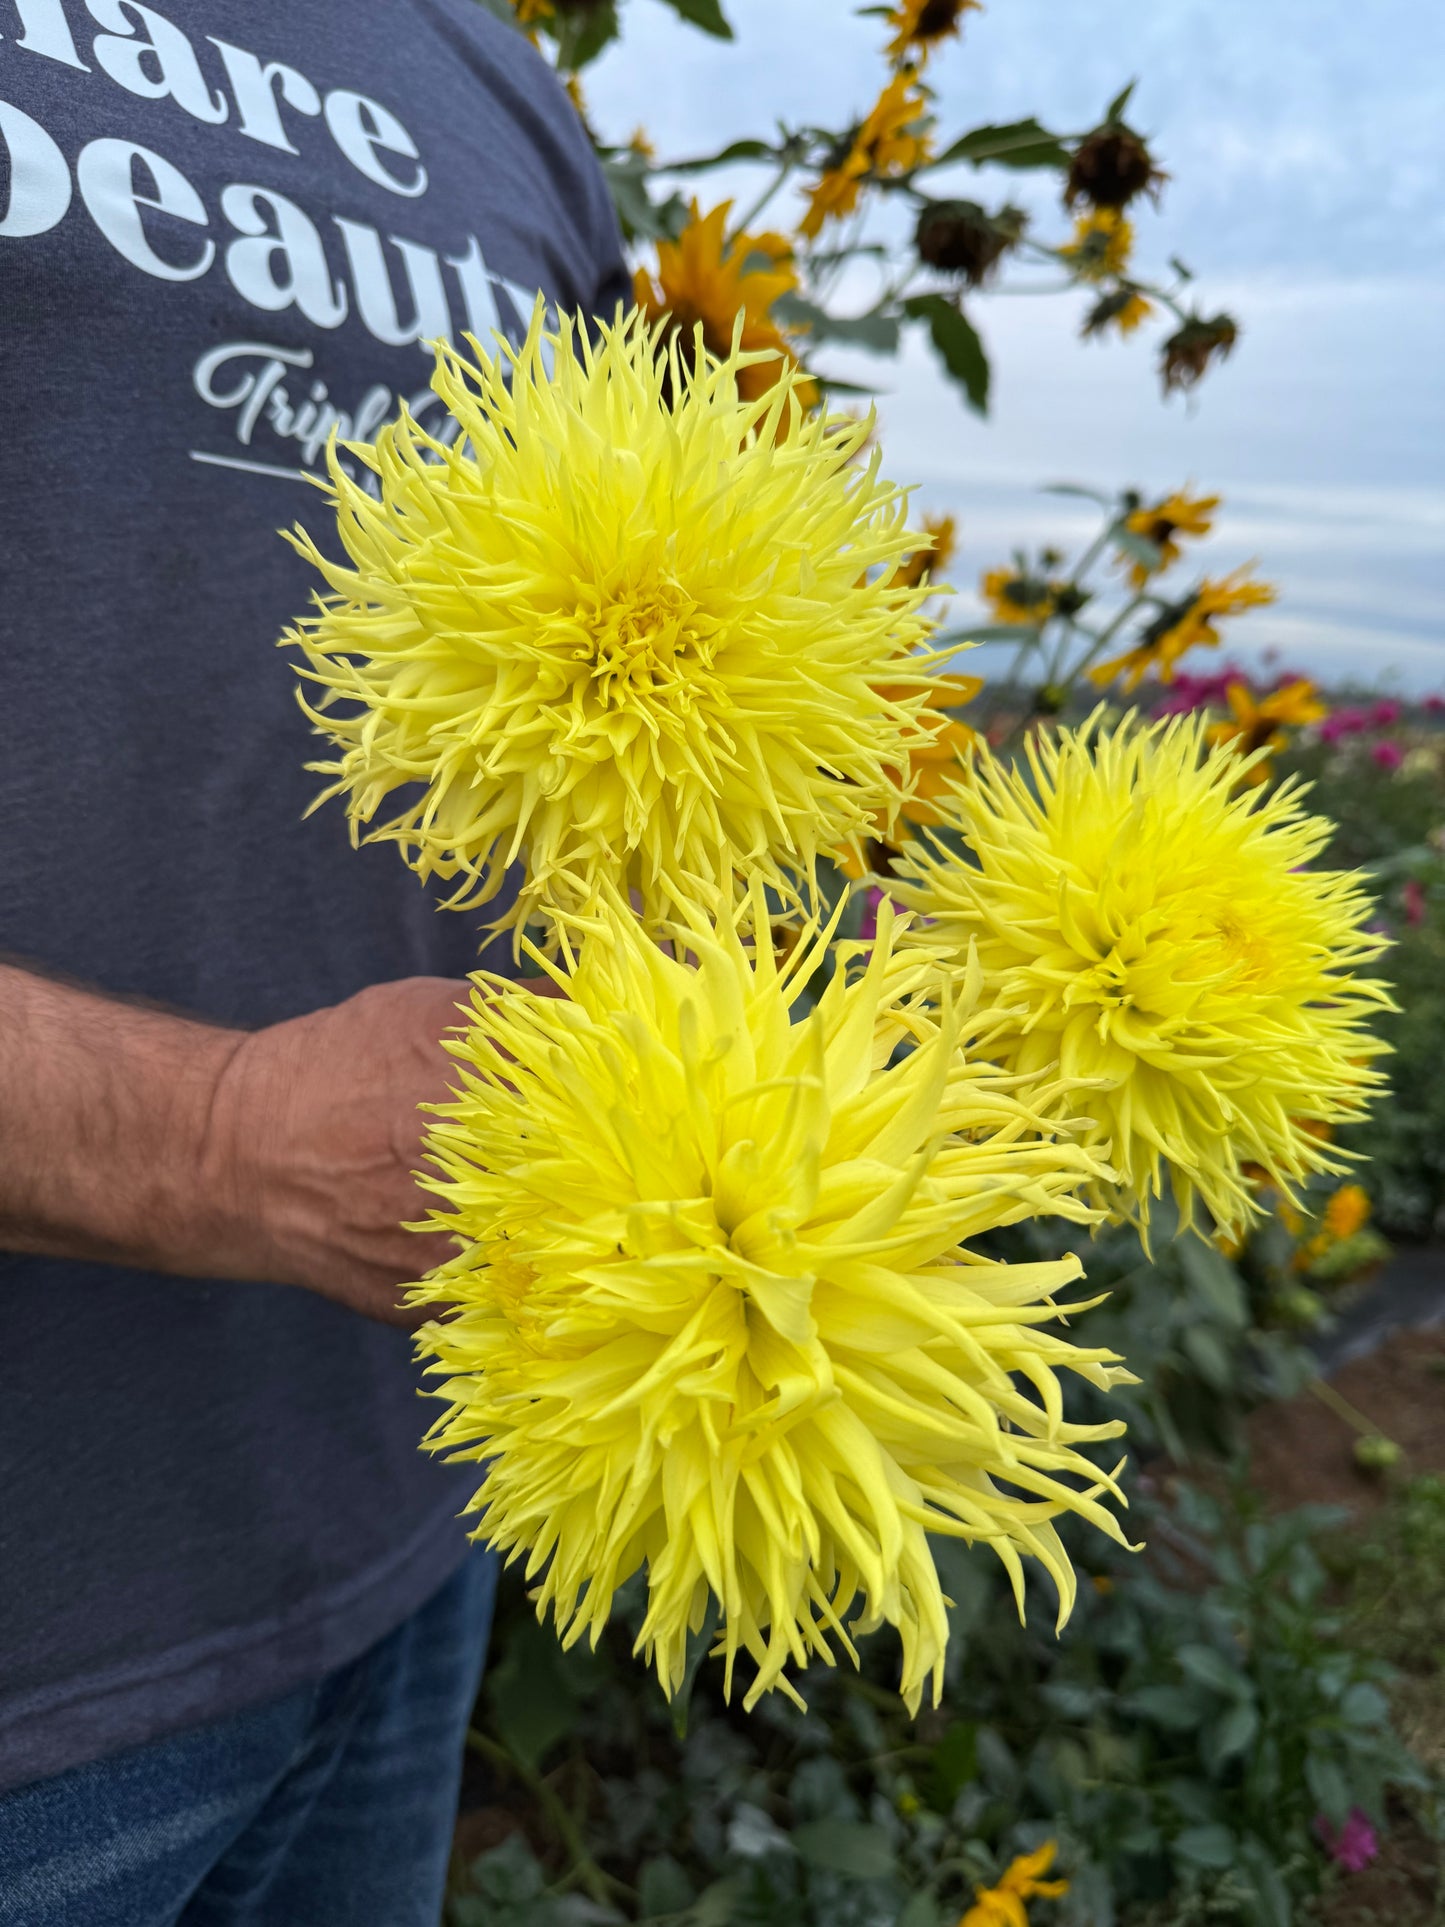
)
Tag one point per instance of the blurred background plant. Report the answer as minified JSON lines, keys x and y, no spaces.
{"x":1212,"y":1738}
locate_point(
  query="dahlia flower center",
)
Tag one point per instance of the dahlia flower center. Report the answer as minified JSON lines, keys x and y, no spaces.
{"x":645,"y":639}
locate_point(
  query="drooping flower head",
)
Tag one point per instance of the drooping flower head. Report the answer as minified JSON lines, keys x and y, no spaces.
{"x":1146,"y":921}
{"x":628,"y":626}
{"x":716,"y":1313}
{"x":892,"y":140}
{"x":920,"y":27}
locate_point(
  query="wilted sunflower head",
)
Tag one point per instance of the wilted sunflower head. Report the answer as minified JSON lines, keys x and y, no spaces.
{"x":1145,"y":922}
{"x":716,"y":1313}
{"x":622,"y":624}
{"x":1111,"y":167}
{"x":960,"y":237}
{"x":1187,"y":353}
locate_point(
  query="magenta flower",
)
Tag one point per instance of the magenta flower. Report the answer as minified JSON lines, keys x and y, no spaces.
{"x":1352,"y":1846}
{"x":1434,"y":705}
{"x":868,"y":928}
{"x":1414,"y":900}
{"x":1343,"y":722}
{"x":1384,"y":715}
{"x":1388,"y":755}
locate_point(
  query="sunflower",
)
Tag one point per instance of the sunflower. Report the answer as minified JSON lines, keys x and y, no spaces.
{"x":1016,"y":596}
{"x":932,"y":554}
{"x":1103,"y":241}
{"x":1184,"y":625}
{"x":615,"y":627}
{"x":714,"y":1313}
{"x":893,"y":140}
{"x":921,"y":26}
{"x":1256,"y":726}
{"x":1124,"y":308}
{"x":706,"y":281}
{"x":1141,"y":920}
{"x":1163,"y":522}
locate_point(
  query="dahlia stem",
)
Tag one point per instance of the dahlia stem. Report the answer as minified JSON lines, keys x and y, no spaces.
{"x":601,"y":1886}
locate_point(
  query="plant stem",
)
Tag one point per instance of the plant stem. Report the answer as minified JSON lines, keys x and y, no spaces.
{"x":1341,"y":1407}
{"x":745,"y":221}
{"x":600,"y":1885}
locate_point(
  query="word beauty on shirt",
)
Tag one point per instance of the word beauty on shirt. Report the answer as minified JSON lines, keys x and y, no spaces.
{"x":271,"y":250}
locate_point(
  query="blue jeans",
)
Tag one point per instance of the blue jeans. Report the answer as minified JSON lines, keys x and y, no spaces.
{"x":332,"y":1807}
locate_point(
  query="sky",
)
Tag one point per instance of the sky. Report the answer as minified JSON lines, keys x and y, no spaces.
{"x":1305,"y":140}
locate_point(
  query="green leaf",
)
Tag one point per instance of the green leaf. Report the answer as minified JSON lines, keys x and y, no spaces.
{"x":1209,"y":1272}
{"x":954,"y":1764}
{"x":706,"y":14}
{"x":716,"y":1905}
{"x":1114,"y":112}
{"x":1018,"y":143}
{"x":532,"y":1701}
{"x":876,"y":331}
{"x":956,"y":340}
{"x":844,"y":1847}
{"x":744,"y":150}
{"x":1328,"y":1787}
{"x":581,"y":35}
{"x":663,"y":1888}
{"x":509,"y":1873}
{"x":921,"y":1911}
{"x":641,"y":218}
{"x":1212,"y":1669}
{"x":1231,"y":1734}
{"x":1172,"y":1707}
{"x":1211,"y":1846}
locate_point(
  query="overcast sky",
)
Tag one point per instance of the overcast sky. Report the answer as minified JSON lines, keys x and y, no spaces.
{"x":1305,"y":139}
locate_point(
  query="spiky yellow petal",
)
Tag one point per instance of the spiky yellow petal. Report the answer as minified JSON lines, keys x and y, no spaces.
{"x":1147,"y":924}
{"x":715,"y":1311}
{"x":620,"y":622}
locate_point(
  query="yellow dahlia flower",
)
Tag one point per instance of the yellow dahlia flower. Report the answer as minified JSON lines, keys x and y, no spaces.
{"x":627,"y":626}
{"x":714,"y":1311}
{"x":1142,"y":921}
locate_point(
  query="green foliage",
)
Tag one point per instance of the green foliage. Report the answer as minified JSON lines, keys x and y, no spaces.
{"x":1178,"y":1742}
{"x":1392,"y":825}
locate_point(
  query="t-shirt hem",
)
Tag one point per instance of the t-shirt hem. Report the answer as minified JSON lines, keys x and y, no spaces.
{"x":56,"y":1728}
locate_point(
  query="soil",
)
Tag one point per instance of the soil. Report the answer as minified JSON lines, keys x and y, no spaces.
{"x":1303,"y":1452}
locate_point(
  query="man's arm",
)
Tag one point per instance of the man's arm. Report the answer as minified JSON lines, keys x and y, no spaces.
{"x":282,"y":1155}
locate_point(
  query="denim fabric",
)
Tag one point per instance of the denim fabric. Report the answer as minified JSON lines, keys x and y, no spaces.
{"x":332,"y":1807}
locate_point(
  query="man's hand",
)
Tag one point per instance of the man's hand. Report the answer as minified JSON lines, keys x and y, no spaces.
{"x":314,"y":1135}
{"x":283,"y":1155}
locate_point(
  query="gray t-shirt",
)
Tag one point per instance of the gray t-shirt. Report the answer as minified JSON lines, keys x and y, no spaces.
{"x":222,"y":230}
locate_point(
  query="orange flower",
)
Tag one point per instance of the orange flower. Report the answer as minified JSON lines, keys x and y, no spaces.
{"x":1260,"y":725}
{"x":703,"y":276}
{"x":1013,"y":596}
{"x":1181,"y":626}
{"x":1160,"y":522}
{"x":1003,"y":1905}
{"x":930,"y":556}
{"x":934,"y":765}
{"x":893,"y":140}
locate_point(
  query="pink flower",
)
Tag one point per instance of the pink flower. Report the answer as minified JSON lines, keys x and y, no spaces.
{"x":1388,"y":755}
{"x":1414,"y":898}
{"x":868,"y":929}
{"x":1343,"y":722}
{"x":1384,"y":715}
{"x":1188,"y":693}
{"x":1434,"y":705}
{"x":1352,"y":1846}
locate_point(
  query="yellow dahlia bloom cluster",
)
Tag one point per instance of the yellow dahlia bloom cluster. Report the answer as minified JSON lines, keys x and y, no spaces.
{"x":715,"y":1312}
{"x":1148,"y":932}
{"x":624,"y":623}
